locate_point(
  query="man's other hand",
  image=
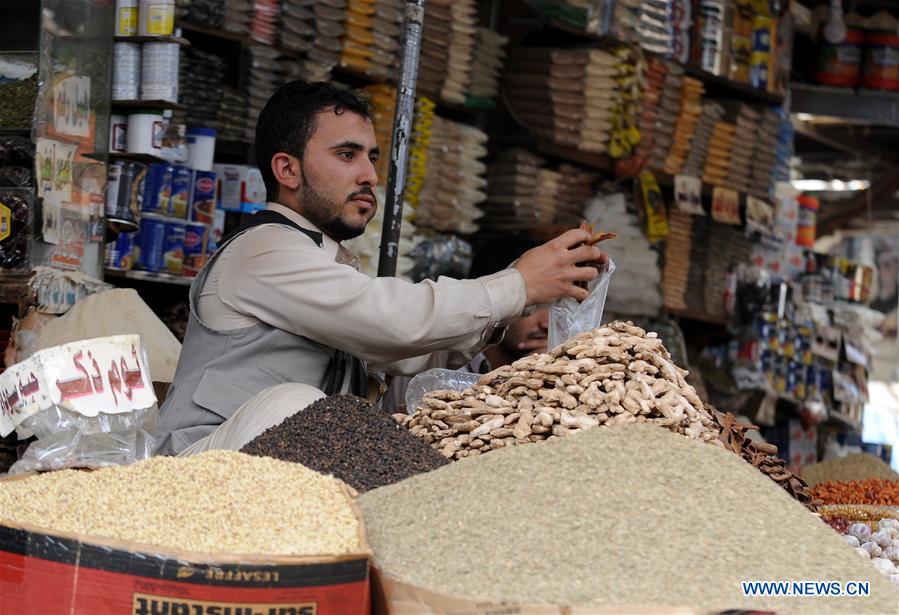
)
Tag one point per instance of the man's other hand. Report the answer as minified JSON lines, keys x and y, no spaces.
{"x":551,"y":270}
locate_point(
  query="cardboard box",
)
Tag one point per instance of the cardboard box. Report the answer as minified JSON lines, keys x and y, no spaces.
{"x":240,"y":188}
{"x":44,"y":571}
{"x":391,"y":596}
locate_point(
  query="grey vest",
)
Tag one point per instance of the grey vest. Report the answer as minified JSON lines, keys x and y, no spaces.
{"x":220,"y":370}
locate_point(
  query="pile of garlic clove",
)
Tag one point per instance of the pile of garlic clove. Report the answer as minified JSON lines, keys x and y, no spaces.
{"x":880,"y":546}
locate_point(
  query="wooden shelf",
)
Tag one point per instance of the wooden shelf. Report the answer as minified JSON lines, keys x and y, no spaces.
{"x":153,"y":39}
{"x":16,"y":290}
{"x":148,"y":276}
{"x":220,"y":34}
{"x":141,"y":158}
{"x":722,"y":87}
{"x":863,"y":106}
{"x":840,"y":421}
{"x":163,"y":105}
{"x":598,"y":162}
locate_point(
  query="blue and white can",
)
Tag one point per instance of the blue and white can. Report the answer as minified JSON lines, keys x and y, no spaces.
{"x":151,"y":241}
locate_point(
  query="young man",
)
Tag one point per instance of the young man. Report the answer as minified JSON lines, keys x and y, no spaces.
{"x":280,"y":302}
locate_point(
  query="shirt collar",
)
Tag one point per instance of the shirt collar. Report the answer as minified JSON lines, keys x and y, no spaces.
{"x":331,"y":247}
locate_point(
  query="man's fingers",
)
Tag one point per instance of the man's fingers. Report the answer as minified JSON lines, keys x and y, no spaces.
{"x":578,"y":293}
{"x":584,"y":254}
{"x":571,"y":238}
{"x":584,"y":274}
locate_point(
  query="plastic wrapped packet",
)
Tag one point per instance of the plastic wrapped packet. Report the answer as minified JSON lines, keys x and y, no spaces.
{"x":439,"y":255}
{"x":568,"y":317}
{"x":89,"y":403}
{"x":436,"y":380}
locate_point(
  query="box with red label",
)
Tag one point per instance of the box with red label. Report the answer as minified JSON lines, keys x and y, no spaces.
{"x":44,"y":571}
{"x":240,"y":188}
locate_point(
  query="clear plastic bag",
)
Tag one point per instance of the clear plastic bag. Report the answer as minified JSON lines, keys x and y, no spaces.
{"x":568,"y":317}
{"x":436,"y":380}
{"x":89,"y":404}
{"x":66,"y":439}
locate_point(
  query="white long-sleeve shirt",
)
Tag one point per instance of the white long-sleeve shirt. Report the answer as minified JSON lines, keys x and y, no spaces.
{"x":281,"y":277}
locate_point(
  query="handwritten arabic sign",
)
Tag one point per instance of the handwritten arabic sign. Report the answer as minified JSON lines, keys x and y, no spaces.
{"x":106,"y":374}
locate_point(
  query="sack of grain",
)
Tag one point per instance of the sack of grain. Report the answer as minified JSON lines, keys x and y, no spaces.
{"x":216,"y":532}
{"x":120,"y":311}
{"x":608,"y":518}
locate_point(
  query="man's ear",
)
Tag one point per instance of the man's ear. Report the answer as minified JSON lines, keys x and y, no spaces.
{"x":286,"y":169}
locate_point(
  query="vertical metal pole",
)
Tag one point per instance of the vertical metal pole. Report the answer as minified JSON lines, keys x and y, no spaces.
{"x":402,"y":131}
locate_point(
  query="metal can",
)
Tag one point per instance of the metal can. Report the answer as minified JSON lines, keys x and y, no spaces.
{"x":173,"y":246}
{"x":159,"y":72}
{"x":202,"y":197}
{"x":120,"y":253}
{"x":196,"y":240}
{"x":157,"y":17}
{"x":124,"y":189}
{"x":158,"y":189}
{"x":151,"y":242}
{"x":881,"y":61}
{"x":125,"y":71}
{"x":181,"y":181}
{"x":126,"y":17}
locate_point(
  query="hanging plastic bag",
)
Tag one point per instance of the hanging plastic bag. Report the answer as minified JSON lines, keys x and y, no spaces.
{"x":88,"y":403}
{"x":568,"y":317}
{"x":66,"y":439}
{"x":437,"y":380}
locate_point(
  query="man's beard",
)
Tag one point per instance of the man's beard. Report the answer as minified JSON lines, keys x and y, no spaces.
{"x":325,"y":213}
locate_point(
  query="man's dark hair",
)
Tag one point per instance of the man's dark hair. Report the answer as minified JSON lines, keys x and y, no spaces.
{"x":288,"y":119}
{"x":498,"y":254}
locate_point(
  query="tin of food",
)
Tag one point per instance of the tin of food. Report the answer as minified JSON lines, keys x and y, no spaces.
{"x":173,"y":246}
{"x":121,"y":253}
{"x":181,"y":182}
{"x":158,"y":189}
{"x":202,"y":197}
{"x":151,"y":240}
{"x":196,"y":240}
{"x":124,"y":192}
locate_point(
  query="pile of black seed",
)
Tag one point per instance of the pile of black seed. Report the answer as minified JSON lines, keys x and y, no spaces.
{"x":351,"y":439}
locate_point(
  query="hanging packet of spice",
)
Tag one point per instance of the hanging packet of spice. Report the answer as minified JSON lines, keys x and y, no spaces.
{"x":726,"y":206}
{"x":654,"y":204}
{"x":759,"y":216}
{"x":688,"y":195}
{"x":15,"y":223}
